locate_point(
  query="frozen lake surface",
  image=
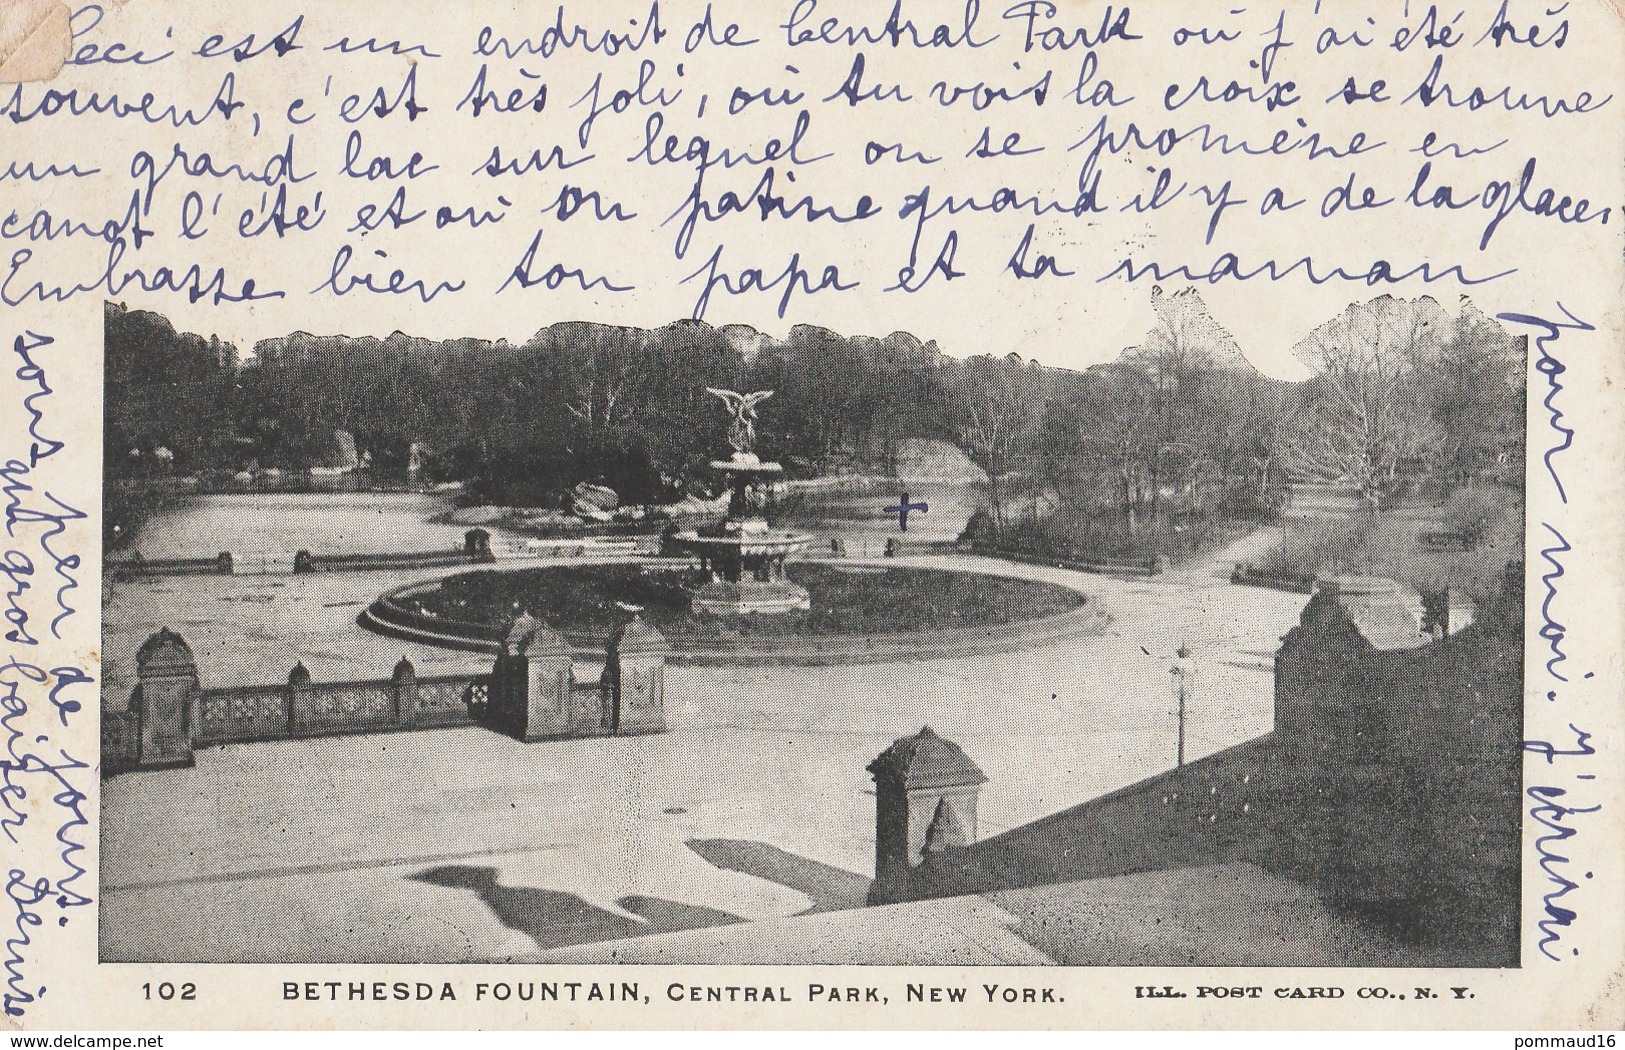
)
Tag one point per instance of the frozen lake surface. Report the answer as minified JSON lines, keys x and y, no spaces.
{"x":270,"y":527}
{"x":279,"y":523}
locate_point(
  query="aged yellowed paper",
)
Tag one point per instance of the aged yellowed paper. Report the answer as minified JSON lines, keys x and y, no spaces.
{"x":803,"y":513}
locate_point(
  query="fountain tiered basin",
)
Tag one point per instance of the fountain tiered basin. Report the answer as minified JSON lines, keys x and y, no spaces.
{"x":743,"y":554}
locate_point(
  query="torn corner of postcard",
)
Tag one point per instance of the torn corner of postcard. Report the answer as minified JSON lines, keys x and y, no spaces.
{"x":35,"y":39}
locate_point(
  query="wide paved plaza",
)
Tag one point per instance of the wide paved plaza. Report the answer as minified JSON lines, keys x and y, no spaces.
{"x":463,"y":844}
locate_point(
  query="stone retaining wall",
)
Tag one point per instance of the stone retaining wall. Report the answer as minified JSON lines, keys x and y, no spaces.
{"x":476,"y":550}
{"x":1250,"y":575}
{"x":1151,"y":566}
{"x":390,"y":615}
{"x":1391,"y":783}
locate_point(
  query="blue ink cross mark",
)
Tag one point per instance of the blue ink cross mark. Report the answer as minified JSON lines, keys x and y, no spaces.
{"x":903,"y":509}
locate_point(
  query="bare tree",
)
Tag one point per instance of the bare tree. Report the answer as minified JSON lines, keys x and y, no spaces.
{"x":1364,"y":414}
{"x":596,"y":366}
{"x":1475,"y":385}
{"x":1116,"y":426}
{"x":1003,"y":406}
{"x":1179,"y":358}
{"x":1256,"y":411}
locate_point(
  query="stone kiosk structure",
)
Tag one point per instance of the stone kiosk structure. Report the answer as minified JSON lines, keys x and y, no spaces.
{"x":532,"y":683}
{"x":534,"y":694}
{"x":635,"y":679}
{"x":165,"y":701}
{"x":926,"y":789}
{"x":477,"y":546}
{"x":744,"y":554}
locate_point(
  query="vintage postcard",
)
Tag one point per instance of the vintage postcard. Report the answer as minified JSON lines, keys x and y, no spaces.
{"x":813,"y":514}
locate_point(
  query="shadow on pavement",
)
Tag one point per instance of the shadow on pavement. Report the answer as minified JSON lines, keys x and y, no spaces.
{"x":554,"y":919}
{"x":829,"y":887}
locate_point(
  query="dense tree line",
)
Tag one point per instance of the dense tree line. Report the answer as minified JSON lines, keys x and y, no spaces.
{"x":523,"y":423}
{"x":1402,"y":394}
{"x":169,"y":399}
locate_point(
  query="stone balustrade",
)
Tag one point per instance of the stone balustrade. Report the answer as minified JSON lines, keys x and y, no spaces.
{"x":531,"y":693}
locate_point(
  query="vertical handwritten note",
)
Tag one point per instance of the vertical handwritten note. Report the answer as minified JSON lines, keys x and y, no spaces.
{"x":46,"y":690}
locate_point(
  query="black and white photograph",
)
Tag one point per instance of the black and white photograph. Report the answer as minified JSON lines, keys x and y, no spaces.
{"x":705,"y":644}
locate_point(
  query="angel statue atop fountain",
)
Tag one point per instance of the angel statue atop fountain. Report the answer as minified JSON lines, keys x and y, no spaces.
{"x":742,"y":431}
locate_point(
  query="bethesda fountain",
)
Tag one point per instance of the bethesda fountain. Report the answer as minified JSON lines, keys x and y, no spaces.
{"x":743,"y":553}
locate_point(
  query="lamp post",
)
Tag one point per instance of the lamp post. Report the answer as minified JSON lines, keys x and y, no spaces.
{"x":1181,"y":672}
